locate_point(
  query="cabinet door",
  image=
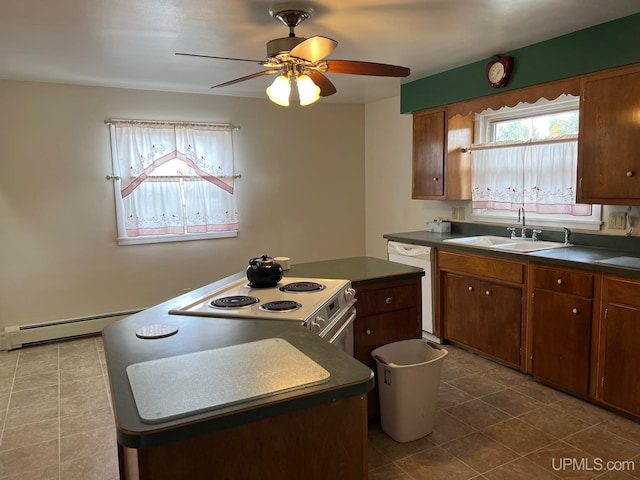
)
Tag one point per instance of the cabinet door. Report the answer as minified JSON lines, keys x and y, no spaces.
{"x":609,"y":141}
{"x":620,"y":344}
{"x":561,"y":340}
{"x":620,"y":385}
{"x":500,"y":320}
{"x":460,"y":307}
{"x":483,"y":315}
{"x":428,"y":155}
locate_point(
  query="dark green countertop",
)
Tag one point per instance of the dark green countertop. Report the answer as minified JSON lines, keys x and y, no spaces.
{"x":587,"y":255}
{"x":360,"y":270}
{"x":122,"y":348}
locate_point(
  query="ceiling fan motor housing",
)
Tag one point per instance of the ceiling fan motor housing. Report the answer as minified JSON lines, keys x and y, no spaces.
{"x":279,"y":46}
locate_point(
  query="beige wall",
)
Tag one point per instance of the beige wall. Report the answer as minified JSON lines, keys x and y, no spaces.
{"x":301,"y":194}
{"x":389,"y":207}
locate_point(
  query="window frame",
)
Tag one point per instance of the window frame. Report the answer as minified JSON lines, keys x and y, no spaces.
{"x":118,"y":200}
{"x":484,"y":126}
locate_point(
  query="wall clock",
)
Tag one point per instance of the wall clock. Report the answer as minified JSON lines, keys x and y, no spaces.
{"x":499,"y":71}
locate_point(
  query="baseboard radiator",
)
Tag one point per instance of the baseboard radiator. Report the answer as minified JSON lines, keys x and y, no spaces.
{"x":22,"y":335}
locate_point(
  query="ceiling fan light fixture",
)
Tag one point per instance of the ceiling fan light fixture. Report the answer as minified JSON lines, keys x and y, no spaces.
{"x":308,"y":91}
{"x":279,"y":91}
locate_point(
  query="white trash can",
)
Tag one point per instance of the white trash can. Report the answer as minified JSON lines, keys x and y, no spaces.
{"x":408,"y":380}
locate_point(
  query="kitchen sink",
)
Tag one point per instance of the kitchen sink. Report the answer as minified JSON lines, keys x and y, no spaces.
{"x":505,"y":244}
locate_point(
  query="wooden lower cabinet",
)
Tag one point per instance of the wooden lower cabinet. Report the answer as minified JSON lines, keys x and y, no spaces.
{"x":578,"y":331}
{"x":561,"y":346}
{"x":387,"y":312}
{"x":561,"y":318}
{"x":480,"y":303}
{"x":619,"y":346}
{"x":483,"y":315}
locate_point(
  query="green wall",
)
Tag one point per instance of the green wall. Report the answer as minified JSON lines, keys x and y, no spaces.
{"x":596,"y":48}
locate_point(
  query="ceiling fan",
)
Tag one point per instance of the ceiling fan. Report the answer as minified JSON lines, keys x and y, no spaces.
{"x":302,"y":60}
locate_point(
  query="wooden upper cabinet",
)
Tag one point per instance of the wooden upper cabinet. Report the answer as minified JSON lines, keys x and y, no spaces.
{"x":428,"y":155}
{"x":441,"y":171}
{"x":609,"y":141}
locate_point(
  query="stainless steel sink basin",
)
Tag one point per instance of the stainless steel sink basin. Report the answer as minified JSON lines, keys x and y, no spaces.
{"x":505,"y":244}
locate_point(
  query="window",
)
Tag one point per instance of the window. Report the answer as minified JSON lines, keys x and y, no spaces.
{"x":173,"y":181}
{"x":527,"y":157}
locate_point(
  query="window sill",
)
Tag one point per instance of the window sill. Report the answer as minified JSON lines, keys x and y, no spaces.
{"x":586,"y":224}
{"x":174,"y":238}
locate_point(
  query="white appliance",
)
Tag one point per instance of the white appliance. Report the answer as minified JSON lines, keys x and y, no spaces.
{"x":324,"y":306}
{"x":422,"y":257}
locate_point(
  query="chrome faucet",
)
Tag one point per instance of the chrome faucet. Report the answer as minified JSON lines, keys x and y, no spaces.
{"x":567,"y":235}
{"x":513,"y":232}
{"x":534,"y":234}
{"x":523,"y":233}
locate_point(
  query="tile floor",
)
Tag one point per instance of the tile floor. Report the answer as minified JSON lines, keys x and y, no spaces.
{"x":492,"y":423}
{"x":55,"y":413}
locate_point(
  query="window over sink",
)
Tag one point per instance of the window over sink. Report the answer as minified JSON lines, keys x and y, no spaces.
{"x":527,"y":158}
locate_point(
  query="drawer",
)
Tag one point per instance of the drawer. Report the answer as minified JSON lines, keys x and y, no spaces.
{"x":484,"y":266}
{"x":564,"y":281}
{"x":621,"y":291}
{"x":387,"y":299}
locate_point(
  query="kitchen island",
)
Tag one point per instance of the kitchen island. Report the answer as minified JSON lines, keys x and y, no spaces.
{"x":316,"y":431}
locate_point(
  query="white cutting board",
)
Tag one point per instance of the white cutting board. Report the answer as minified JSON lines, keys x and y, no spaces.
{"x":174,"y":387}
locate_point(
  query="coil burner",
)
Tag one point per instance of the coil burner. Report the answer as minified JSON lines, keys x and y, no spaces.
{"x":302,"y":287}
{"x":235,"y":301}
{"x":280,"y":306}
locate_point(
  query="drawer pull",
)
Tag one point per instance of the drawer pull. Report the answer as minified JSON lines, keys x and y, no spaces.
{"x":560,"y":282}
{"x":488,"y":292}
{"x":471,"y":289}
{"x":575,"y":310}
{"x":367,"y":331}
{"x":388,"y":301}
{"x":435,"y":179}
{"x":629,"y":173}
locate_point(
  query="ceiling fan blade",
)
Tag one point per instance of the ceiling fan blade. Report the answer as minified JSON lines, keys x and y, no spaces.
{"x":260,"y":62}
{"x":366,"y":68}
{"x":314,"y":48}
{"x":248,"y":77}
{"x":326,"y":87}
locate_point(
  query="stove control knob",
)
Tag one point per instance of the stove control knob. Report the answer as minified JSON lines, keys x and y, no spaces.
{"x":320,"y":321}
{"x":349,"y":293}
{"x":315,"y":327}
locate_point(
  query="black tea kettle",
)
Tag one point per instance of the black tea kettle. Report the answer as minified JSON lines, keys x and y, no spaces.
{"x":264,"y":272}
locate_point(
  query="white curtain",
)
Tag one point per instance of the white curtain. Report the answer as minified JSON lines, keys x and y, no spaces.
{"x":539,"y":176}
{"x":199,"y":198}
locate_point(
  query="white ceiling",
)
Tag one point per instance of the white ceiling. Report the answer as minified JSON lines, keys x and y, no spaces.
{"x":131,"y":43}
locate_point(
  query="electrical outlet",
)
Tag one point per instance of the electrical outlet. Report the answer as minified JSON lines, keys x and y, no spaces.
{"x":461,"y":213}
{"x":617,"y":220}
{"x":454,"y":213}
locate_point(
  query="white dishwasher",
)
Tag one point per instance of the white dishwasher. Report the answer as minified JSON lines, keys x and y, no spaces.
{"x":421,"y":257}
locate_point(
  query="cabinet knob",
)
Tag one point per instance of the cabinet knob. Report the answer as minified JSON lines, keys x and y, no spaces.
{"x":488,"y":292}
{"x":560,"y":282}
{"x":575,"y":310}
{"x":471,"y":289}
{"x":629,"y":173}
{"x":387,"y":300}
{"x":367,"y":331}
{"x":435,"y":179}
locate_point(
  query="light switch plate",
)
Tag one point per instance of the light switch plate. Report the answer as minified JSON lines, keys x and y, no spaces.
{"x":454,"y":213}
{"x":617,"y":220}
